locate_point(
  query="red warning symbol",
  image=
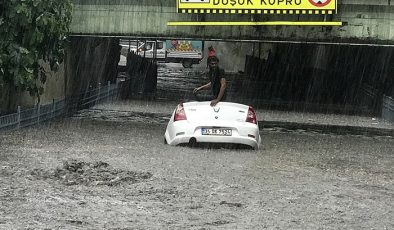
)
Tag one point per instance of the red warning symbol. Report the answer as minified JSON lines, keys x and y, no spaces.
{"x":319,"y":3}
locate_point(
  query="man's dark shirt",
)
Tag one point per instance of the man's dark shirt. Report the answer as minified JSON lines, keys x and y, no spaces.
{"x":214,"y":76}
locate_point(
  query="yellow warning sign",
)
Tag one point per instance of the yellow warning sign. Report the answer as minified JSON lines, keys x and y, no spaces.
{"x":258,"y":6}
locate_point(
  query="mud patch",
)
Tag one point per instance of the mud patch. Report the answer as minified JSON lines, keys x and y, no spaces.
{"x":238,"y":205}
{"x":219,"y":222}
{"x":74,"y":172}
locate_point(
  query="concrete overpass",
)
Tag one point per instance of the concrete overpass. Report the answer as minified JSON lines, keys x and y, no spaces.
{"x":364,"y":21}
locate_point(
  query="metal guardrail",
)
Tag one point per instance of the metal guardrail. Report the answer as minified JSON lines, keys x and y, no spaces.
{"x":388,"y":109}
{"x":28,"y":117}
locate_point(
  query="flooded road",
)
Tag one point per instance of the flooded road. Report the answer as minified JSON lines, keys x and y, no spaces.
{"x":295,"y":181}
{"x":176,"y":83}
{"x":108,"y":168}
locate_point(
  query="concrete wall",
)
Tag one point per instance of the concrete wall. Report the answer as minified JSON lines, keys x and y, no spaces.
{"x":372,"y":23}
{"x":90,"y":61}
{"x":53,"y":89}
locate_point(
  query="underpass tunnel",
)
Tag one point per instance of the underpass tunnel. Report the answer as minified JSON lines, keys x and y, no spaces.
{"x":322,"y":78}
{"x":325,"y":78}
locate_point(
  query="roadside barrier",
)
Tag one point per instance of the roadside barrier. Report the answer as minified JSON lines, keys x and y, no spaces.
{"x":58,"y":108}
{"x":388,"y":109}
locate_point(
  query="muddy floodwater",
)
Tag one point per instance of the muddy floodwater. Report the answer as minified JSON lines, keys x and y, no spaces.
{"x":80,"y":173}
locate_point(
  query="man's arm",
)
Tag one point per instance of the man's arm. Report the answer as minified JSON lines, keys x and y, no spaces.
{"x":223,"y":85}
{"x":206,"y":86}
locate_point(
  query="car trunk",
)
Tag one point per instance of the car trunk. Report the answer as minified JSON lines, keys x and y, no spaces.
{"x":223,"y":111}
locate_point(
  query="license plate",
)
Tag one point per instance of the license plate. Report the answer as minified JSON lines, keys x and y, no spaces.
{"x":217,"y":132}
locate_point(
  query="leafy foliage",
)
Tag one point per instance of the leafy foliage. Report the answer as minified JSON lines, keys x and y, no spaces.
{"x":31,"y":31}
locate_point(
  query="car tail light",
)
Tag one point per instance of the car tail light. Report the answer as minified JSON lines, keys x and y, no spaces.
{"x":251,"y":117}
{"x":180,"y":113}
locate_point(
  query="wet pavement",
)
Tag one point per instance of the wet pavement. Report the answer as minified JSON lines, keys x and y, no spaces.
{"x":99,"y":173}
{"x":159,"y":111}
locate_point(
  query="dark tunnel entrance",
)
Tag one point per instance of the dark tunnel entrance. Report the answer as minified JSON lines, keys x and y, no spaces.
{"x":342,"y":79}
{"x":317,"y":78}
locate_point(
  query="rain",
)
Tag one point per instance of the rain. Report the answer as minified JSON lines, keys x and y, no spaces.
{"x":97,"y":158}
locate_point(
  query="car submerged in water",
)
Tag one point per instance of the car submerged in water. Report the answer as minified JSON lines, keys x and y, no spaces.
{"x":225,"y":123}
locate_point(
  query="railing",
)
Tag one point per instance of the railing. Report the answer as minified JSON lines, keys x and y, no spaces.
{"x":58,"y":108}
{"x":388,"y":109}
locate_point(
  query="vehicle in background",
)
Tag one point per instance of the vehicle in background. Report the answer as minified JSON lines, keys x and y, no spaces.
{"x":126,"y":47}
{"x":147,"y":50}
{"x":187,"y":52}
{"x":129,"y":45}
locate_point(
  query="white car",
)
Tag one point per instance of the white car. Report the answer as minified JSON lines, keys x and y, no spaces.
{"x":198,"y":122}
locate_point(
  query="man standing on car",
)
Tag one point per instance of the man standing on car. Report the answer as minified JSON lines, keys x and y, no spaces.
{"x":217,"y":81}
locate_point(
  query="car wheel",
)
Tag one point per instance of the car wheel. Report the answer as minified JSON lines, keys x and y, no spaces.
{"x":165,"y":141}
{"x":192,"y":142}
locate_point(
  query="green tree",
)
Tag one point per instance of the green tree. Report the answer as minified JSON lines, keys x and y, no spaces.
{"x":32,"y":32}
